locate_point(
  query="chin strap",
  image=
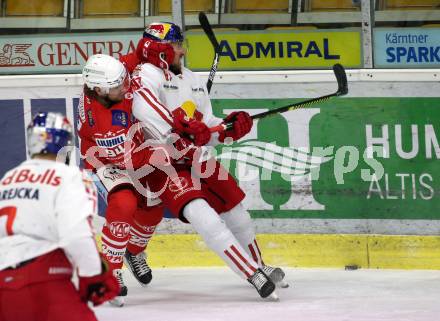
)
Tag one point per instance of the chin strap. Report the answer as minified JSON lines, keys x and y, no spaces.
{"x":162,"y":58}
{"x":166,"y":70}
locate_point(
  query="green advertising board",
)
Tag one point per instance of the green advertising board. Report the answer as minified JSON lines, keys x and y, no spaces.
{"x":349,"y":158}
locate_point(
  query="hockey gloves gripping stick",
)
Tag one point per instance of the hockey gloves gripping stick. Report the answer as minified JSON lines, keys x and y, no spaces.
{"x":341,"y":78}
{"x":195,"y":130}
{"x":210,"y":34}
{"x":241,"y":125}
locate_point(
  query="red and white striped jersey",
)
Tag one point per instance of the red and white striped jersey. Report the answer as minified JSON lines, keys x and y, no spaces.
{"x":46,"y":205}
{"x":158,"y":94}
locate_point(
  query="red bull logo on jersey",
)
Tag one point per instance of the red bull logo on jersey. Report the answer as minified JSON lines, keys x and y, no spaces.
{"x":27,"y":176}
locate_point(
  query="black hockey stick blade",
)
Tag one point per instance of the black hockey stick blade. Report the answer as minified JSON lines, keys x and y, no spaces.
{"x":341,"y":77}
{"x":206,"y":26}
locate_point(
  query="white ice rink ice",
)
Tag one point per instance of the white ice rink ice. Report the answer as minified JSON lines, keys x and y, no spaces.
{"x":216,"y":294}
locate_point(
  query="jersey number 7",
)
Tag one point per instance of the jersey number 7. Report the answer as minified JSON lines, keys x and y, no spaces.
{"x":10,"y":213}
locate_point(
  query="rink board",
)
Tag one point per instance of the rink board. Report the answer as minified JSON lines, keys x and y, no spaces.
{"x":303,"y":221}
{"x":308,"y":250}
{"x":319,"y":163}
{"x":290,"y":186}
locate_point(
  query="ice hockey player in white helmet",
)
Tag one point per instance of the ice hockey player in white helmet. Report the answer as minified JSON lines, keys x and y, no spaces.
{"x":105,"y":123}
{"x":107,"y":75}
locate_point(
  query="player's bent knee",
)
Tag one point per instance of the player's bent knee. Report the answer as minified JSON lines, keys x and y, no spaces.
{"x":149,"y":216}
{"x":203,"y":218}
{"x":124,"y":200}
{"x":237,"y":218}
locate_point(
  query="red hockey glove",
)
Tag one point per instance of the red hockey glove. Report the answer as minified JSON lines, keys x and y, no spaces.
{"x":154,"y":52}
{"x":199,"y":132}
{"x":98,"y":288}
{"x":184,"y":151}
{"x":195,"y":130}
{"x":242,"y":124}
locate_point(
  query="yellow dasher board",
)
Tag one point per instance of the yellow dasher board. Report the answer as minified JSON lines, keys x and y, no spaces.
{"x":271,"y":50}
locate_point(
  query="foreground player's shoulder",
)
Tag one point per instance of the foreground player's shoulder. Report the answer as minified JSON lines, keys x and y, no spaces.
{"x":189,"y":74}
{"x":76,"y":179}
{"x":130,"y":61}
{"x":192,"y":78}
{"x":152,"y":73}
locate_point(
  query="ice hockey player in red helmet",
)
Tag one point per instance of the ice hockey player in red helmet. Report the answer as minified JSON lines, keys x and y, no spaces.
{"x":173,"y":105}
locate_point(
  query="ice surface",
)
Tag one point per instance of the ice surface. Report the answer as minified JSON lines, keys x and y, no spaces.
{"x":217,"y":294}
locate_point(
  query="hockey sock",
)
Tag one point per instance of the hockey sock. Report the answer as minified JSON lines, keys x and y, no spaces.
{"x":143,"y":227}
{"x":121,"y":207}
{"x":219,"y":238}
{"x":239,"y":221}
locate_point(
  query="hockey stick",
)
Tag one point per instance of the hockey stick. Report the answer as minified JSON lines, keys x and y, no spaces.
{"x":341,"y":78}
{"x":210,"y":34}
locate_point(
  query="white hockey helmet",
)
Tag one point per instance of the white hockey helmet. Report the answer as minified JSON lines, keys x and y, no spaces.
{"x":103,"y":71}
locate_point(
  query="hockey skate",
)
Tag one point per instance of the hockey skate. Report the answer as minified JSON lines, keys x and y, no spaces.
{"x":276,"y":275}
{"x":265,"y":287}
{"x":118,"y":301}
{"x":138,"y":266}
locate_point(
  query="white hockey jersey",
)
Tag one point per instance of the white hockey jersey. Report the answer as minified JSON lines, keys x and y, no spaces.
{"x":159,"y":93}
{"x":45,"y":205}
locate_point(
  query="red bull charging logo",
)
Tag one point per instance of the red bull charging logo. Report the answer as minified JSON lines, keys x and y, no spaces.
{"x":158,"y":30}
